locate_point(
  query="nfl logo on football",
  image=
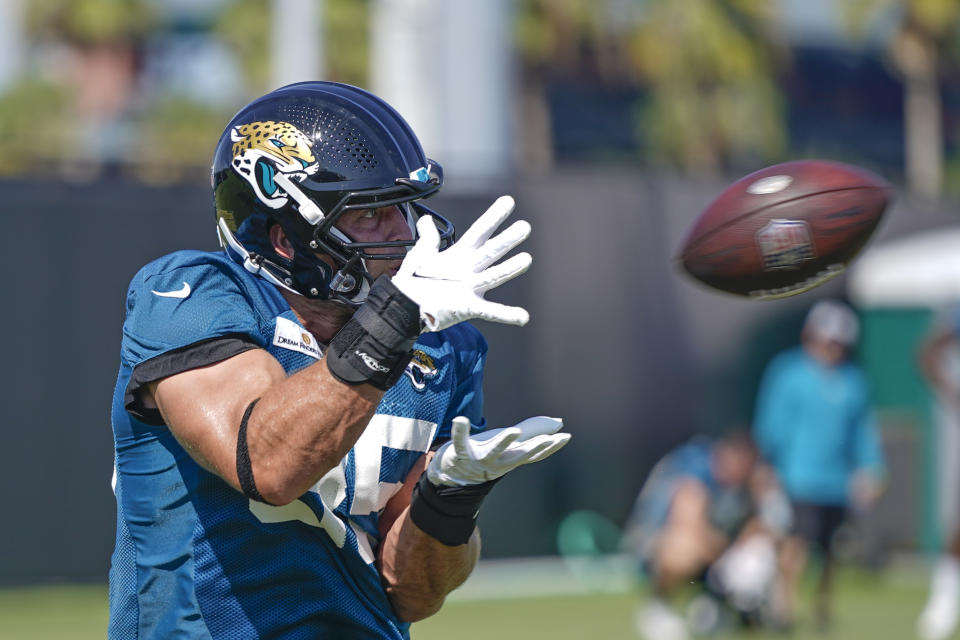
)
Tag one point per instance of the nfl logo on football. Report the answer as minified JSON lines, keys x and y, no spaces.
{"x":785,"y":244}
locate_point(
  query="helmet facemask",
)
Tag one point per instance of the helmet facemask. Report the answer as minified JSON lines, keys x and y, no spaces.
{"x":318,"y":233}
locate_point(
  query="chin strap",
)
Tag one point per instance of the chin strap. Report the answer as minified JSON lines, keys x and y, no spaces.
{"x":252,"y":262}
{"x":303,"y":272}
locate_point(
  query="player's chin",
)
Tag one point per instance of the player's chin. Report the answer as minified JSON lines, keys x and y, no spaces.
{"x":388,"y":268}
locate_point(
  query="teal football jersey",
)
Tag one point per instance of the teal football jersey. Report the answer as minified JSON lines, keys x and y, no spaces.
{"x":193,"y":557}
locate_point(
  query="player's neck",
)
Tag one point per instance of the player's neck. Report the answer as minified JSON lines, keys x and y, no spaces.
{"x":321,"y":318}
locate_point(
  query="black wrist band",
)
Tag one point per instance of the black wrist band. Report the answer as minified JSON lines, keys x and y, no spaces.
{"x":244,"y":467}
{"x":448,"y":514}
{"x":376,"y":344}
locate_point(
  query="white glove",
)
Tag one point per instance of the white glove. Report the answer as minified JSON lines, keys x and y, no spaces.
{"x":449,"y":285}
{"x":467,"y":459}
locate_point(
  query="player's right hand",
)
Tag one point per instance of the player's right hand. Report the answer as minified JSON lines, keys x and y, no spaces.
{"x":449,"y":285}
{"x":475,"y":459}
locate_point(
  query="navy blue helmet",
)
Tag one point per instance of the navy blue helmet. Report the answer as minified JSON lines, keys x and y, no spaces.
{"x":300,"y":157}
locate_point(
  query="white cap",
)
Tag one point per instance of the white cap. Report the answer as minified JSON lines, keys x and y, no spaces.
{"x":832,"y":320}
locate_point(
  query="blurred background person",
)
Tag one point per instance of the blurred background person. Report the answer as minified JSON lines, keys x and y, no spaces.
{"x":815,"y":425}
{"x":939,"y":363}
{"x":708,"y":512}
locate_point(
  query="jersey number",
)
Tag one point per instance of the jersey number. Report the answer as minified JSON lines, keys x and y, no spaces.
{"x":369,"y":494}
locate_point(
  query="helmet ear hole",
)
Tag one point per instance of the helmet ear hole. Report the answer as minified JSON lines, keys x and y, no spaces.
{"x":280,"y":241}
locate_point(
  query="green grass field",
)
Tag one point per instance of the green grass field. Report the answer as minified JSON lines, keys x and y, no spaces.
{"x":867,"y":607}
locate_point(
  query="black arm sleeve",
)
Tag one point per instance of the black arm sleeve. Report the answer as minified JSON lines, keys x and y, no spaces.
{"x":193,"y":356}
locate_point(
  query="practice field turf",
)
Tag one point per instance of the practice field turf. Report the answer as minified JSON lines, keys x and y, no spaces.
{"x":868,"y":607}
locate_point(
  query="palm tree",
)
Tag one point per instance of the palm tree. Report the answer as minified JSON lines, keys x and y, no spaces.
{"x":708,"y":69}
{"x":922,"y":34}
{"x":711,"y":69}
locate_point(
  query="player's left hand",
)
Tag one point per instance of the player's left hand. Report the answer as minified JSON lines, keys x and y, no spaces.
{"x":449,"y":285}
{"x":474,"y":459}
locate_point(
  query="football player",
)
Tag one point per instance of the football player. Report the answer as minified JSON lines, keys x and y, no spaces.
{"x":710,"y":513}
{"x":300,"y":445}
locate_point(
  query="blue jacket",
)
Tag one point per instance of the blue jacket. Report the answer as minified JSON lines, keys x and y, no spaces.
{"x":814,"y":424}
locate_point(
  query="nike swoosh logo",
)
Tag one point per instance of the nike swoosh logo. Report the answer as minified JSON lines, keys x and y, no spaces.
{"x":179,"y":293}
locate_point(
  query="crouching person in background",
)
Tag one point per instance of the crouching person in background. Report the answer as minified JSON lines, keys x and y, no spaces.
{"x":711,"y":514}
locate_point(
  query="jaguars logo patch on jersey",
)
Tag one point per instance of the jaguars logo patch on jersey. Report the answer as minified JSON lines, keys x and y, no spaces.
{"x":421,"y":370}
{"x":261,"y":149}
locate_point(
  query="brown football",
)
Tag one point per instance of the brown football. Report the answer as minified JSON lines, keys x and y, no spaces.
{"x":785,"y":229}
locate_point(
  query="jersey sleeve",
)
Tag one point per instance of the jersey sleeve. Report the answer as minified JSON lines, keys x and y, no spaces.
{"x":180,"y":316}
{"x":467,"y":400}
